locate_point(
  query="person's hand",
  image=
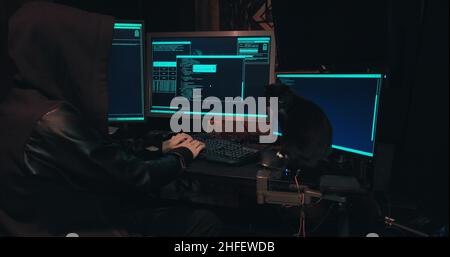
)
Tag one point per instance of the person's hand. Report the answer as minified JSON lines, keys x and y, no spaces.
{"x":174,"y":142}
{"x":194,"y":145}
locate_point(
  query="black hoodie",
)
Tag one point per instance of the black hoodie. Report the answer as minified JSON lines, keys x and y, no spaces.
{"x":59,"y":172}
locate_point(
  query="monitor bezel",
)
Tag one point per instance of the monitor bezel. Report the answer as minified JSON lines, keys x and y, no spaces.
{"x":383,"y":77}
{"x":144,"y":70}
{"x":252,"y":33}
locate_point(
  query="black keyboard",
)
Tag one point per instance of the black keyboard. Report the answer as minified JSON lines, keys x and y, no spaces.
{"x":225,"y":151}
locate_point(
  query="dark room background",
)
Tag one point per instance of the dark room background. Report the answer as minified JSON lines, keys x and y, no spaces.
{"x":407,"y":40}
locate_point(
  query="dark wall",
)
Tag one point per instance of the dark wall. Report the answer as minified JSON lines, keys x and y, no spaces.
{"x":421,"y":168}
{"x":7,"y":8}
{"x":3,"y":29}
{"x":160,"y":16}
{"x":349,"y":34}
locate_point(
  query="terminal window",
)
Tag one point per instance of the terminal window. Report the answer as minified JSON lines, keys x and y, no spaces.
{"x":218,"y":76}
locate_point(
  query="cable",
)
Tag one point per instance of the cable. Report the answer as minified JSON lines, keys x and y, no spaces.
{"x":297,"y":184}
{"x":390,"y":223}
{"x":302,"y":221}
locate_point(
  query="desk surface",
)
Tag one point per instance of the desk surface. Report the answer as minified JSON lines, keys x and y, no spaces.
{"x":203,"y":167}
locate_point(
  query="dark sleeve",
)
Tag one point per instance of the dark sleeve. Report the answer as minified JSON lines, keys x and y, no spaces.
{"x":64,"y":147}
{"x":149,"y":145}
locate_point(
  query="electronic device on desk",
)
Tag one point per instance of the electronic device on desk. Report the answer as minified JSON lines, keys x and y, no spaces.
{"x":225,"y":151}
{"x":223,"y":65}
{"x":351,"y":103}
{"x":283,"y":179}
{"x":126,"y":80}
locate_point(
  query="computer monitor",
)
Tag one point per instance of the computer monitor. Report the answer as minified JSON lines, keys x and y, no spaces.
{"x":126,"y":85}
{"x":222,"y":64}
{"x":349,"y":100}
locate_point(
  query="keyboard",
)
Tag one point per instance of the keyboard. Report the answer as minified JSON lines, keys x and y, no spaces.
{"x":225,"y":151}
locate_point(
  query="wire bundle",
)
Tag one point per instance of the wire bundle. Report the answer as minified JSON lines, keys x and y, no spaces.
{"x":302,"y":222}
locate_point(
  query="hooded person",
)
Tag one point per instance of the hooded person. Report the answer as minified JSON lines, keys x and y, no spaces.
{"x":59,"y":171}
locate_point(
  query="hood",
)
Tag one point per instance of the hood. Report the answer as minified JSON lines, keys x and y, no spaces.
{"x":62,"y":53}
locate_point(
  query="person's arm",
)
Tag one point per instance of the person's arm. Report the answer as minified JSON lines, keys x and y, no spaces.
{"x":154,"y":144}
{"x":64,"y":147}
